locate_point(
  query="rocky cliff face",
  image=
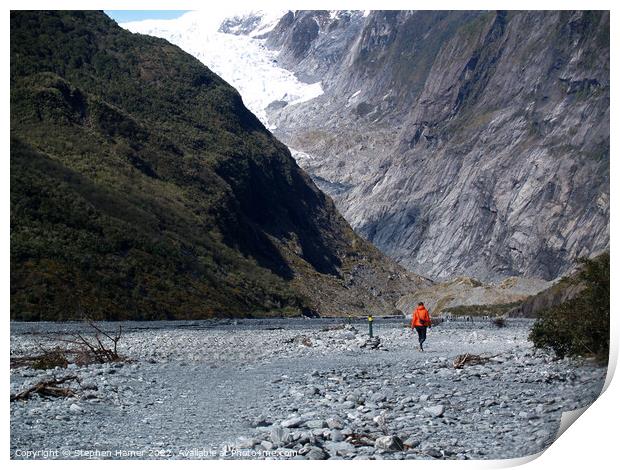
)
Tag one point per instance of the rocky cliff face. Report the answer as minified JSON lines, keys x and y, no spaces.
{"x":142,"y":188}
{"x":459,"y":143}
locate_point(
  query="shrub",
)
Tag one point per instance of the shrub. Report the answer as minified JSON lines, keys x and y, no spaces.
{"x":579,"y":326}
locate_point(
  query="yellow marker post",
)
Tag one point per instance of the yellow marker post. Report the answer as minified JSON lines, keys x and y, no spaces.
{"x":370,"y":320}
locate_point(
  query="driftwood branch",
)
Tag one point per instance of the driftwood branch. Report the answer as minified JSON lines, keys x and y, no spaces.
{"x":469,"y":359}
{"x":47,"y":388}
{"x":114,"y":339}
{"x":97,"y":347}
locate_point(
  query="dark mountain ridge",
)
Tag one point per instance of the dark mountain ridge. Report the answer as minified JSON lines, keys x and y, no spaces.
{"x":142,"y":188}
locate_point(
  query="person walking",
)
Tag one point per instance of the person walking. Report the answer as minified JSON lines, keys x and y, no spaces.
{"x":421,"y":320}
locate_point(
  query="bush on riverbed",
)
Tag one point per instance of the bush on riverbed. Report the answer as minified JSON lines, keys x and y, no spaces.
{"x":579,"y":326}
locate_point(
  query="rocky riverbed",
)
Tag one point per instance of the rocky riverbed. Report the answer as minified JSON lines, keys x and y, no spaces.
{"x":303,"y":389}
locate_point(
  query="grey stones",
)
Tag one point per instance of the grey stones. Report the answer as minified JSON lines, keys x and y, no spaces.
{"x":370,"y":343}
{"x":89,"y":385}
{"x":412,"y":442}
{"x":348,"y":335}
{"x":76,"y":409}
{"x":304,"y":438}
{"x":353,"y":397}
{"x":339,"y":448}
{"x":334,"y":423}
{"x":293,"y":422}
{"x":436,"y":411}
{"x":279,"y":435}
{"x":377,"y":397}
{"x":315,"y":424}
{"x":382,"y":396}
{"x":247,"y":443}
{"x":316,"y":453}
{"x":529,"y":416}
{"x":390,"y":443}
{"x":312,"y":391}
{"x":261,"y":421}
{"x":379,"y":420}
{"x":433,"y":452}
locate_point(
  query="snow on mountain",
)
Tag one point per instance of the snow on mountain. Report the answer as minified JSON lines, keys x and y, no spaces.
{"x":242,"y":60}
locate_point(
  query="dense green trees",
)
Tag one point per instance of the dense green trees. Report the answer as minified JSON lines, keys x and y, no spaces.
{"x":142,"y":188}
{"x":581,"y":325}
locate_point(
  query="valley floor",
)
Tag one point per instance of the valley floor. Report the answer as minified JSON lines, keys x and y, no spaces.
{"x":300,"y":389}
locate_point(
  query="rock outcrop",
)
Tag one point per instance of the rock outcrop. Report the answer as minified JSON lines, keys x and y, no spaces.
{"x":459,"y":143}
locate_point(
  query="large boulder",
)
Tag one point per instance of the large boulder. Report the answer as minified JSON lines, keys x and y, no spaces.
{"x":390,"y":443}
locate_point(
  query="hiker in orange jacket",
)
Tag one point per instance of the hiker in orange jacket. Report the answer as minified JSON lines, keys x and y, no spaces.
{"x":420,"y":320}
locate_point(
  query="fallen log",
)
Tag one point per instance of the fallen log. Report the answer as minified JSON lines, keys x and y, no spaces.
{"x":47,"y":388}
{"x":468,"y":359}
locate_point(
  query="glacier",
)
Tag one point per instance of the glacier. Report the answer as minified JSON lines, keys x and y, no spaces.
{"x":242,"y":60}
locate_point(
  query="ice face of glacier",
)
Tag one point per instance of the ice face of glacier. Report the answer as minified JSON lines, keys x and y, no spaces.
{"x":232,"y":47}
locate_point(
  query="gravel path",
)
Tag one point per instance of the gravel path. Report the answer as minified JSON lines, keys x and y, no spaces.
{"x":300,"y":389}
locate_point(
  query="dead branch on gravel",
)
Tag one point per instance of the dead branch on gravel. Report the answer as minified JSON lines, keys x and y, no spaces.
{"x":47,"y":359}
{"x":56,"y":357}
{"x":98,"y":347}
{"x":47,"y":388}
{"x":469,"y":359}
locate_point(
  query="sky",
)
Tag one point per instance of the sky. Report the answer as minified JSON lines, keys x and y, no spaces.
{"x":122,"y":16}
